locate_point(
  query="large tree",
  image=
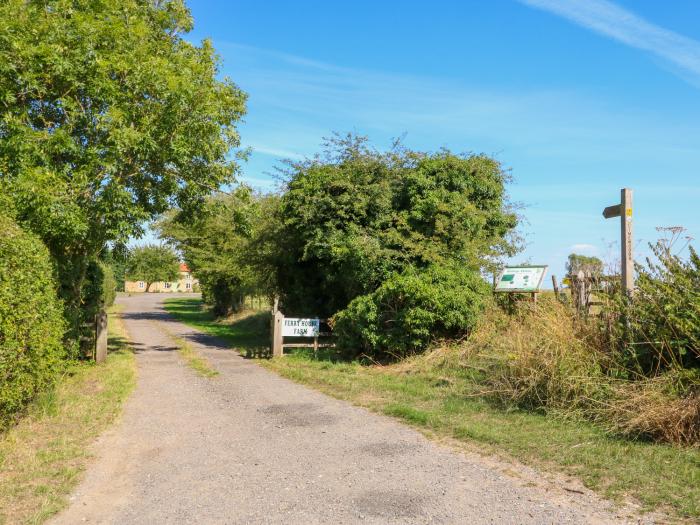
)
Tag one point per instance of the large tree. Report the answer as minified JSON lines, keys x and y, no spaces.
{"x":107,"y":118}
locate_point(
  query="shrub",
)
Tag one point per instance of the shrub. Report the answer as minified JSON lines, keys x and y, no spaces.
{"x":354,"y":217}
{"x":665,"y":312}
{"x":31,"y":320}
{"x":109,"y":285}
{"x":410,"y":310}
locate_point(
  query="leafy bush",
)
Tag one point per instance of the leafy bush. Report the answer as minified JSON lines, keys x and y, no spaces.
{"x":109,"y":286}
{"x":31,"y":319}
{"x":410,"y":310}
{"x":353,"y":217}
{"x":221,"y":246}
{"x":665,"y":312}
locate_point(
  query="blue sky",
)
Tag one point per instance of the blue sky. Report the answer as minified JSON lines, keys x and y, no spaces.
{"x":578,"y":98}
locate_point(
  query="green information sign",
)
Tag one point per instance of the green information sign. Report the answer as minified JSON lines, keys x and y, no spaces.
{"x":521,"y":279}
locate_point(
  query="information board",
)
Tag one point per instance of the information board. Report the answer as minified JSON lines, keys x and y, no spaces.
{"x":521,"y":279}
{"x":300,"y":327}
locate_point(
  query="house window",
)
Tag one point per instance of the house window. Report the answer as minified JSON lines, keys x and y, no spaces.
{"x":141,"y":284}
{"x":188,"y":277}
{"x":188,"y":286}
{"x":168,"y":285}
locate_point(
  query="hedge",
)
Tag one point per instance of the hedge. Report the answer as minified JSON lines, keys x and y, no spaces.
{"x":31,"y":320}
{"x":410,"y":310}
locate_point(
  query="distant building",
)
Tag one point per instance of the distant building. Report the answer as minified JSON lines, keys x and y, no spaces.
{"x":186,"y":283}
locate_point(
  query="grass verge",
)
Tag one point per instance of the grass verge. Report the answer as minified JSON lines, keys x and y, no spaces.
{"x":42,"y":457}
{"x":440,"y":402}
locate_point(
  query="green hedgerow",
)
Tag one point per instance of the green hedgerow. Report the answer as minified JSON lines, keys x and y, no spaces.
{"x":31,"y":319}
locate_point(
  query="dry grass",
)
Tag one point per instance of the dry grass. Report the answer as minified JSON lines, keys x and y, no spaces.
{"x":545,"y":358}
{"x":651,"y":409}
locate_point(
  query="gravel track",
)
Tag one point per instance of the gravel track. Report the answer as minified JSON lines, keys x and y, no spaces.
{"x":248,"y":446}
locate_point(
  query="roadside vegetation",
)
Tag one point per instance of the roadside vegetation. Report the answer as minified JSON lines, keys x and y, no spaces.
{"x":110,"y":116}
{"x":453,"y":393}
{"x":43,"y":455}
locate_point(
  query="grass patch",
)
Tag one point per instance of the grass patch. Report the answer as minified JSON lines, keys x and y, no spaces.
{"x":440,"y":401}
{"x":43,"y":456}
{"x":193,"y":359}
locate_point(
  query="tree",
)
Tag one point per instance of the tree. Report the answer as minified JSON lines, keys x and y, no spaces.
{"x":152,"y":263}
{"x":353,"y":216}
{"x":108,"y":118}
{"x":221,"y":245}
{"x":582,"y":263}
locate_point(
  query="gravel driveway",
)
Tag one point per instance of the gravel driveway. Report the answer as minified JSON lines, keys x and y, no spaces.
{"x":250,"y":447}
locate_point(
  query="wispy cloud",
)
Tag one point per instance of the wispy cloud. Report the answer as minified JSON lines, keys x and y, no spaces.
{"x":276,"y":152}
{"x":584,"y":248}
{"x":609,"y":19}
{"x":295,"y":102}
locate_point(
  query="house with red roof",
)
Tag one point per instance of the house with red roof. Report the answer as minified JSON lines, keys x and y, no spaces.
{"x":185,"y":284}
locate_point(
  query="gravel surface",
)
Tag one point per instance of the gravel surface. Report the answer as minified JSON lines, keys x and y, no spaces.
{"x":248,"y":446}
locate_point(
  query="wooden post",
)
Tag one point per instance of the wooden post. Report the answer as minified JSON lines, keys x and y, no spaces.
{"x":278,"y":320}
{"x":627,"y":242}
{"x":624,"y":211}
{"x":101,"y":337}
{"x":315,"y":347}
{"x":555,"y":285}
{"x":273,"y":314}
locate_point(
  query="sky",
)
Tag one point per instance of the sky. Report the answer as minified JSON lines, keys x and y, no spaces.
{"x":576,"y":98}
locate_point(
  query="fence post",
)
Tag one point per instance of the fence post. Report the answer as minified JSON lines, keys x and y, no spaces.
{"x":276,"y":323}
{"x":555,"y":285}
{"x":101,"y":337}
{"x":277,"y":350}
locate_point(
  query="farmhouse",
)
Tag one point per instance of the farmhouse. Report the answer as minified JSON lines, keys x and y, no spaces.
{"x":186,"y":283}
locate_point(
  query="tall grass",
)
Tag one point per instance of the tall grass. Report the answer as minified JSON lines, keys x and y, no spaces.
{"x":545,"y":358}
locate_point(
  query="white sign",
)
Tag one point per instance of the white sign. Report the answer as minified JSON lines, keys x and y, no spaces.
{"x":521,"y":279}
{"x":300,"y":327}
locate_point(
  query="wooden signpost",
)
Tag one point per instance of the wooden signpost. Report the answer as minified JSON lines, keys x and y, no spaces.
{"x":295,"y":327}
{"x":624,"y":211}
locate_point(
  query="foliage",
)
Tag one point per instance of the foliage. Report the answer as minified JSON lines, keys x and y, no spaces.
{"x":152,"y":263}
{"x":31,"y":322}
{"x":410,"y":310}
{"x":109,"y":286}
{"x":116,"y":257}
{"x":665,"y":311}
{"x":219,"y":246}
{"x":581,"y":263}
{"x":108,"y":117}
{"x":353,"y":217}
